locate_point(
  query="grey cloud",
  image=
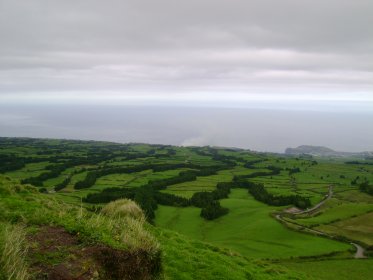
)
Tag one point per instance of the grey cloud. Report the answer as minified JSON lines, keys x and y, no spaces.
{"x":172,"y":46}
{"x":148,"y":24}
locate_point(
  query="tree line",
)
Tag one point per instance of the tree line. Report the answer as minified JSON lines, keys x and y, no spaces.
{"x":183,"y":176}
{"x":10,"y":163}
{"x":149,"y":196}
{"x":358,"y":162}
{"x":63,"y":184}
{"x":273,"y":170}
{"x":61,"y":163}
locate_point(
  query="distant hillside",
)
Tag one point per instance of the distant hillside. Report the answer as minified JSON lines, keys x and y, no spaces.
{"x":324,"y":152}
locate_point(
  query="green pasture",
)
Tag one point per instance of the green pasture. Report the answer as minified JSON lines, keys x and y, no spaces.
{"x":356,"y":228}
{"x":336,"y":212}
{"x":248,"y":229}
{"x":203,"y":183}
{"x":334,"y":269}
{"x":354,"y":195}
{"x":30,"y":170}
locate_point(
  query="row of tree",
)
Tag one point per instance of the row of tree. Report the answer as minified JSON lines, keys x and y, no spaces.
{"x":183,"y":176}
{"x":250,"y":164}
{"x":10,"y":163}
{"x":54,"y":171}
{"x":260,"y":193}
{"x":149,"y":195}
{"x":61,"y":163}
{"x":293,"y":170}
{"x":149,"y":198}
{"x":273,"y":170}
{"x":63,"y":184}
{"x":359,"y":162}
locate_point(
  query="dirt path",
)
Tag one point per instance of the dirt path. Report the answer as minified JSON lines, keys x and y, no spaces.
{"x":359,"y":251}
{"x":318,"y":205}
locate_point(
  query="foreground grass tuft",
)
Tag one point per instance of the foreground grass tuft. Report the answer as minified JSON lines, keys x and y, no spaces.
{"x":119,"y":236}
{"x":13,"y":252}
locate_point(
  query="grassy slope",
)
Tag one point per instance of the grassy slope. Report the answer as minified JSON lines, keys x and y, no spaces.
{"x":182,"y":258}
{"x":248,"y":229}
{"x":24,"y":206}
{"x":187,"y":259}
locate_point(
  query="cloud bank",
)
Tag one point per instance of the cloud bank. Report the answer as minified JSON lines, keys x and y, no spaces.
{"x":149,"y":49}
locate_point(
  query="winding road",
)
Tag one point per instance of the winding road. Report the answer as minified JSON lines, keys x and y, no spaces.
{"x":318,"y":205}
{"x":359,"y":249}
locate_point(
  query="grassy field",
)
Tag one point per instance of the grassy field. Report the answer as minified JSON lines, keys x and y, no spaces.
{"x":336,"y":212}
{"x":30,"y":170}
{"x":357,"y":228}
{"x":188,"y":259}
{"x":334,"y":269}
{"x":239,"y":245}
{"x":207,"y":183}
{"x":248,"y":229}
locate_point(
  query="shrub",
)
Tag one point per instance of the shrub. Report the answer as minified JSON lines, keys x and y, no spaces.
{"x":123,"y":208}
{"x":213,"y":211}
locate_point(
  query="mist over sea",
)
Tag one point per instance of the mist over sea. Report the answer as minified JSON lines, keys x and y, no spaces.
{"x":256,"y":129}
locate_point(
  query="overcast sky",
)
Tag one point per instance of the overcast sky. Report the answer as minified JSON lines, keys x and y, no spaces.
{"x":289,"y":55}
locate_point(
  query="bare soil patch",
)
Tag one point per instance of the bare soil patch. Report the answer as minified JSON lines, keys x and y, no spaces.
{"x":55,"y":254}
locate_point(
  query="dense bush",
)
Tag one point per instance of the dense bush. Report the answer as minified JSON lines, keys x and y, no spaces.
{"x":213,"y":211}
{"x":171,"y":200}
{"x":10,"y":163}
{"x":293,"y":170}
{"x":222,"y":190}
{"x":250,"y":164}
{"x":365,"y":187}
{"x":110,"y":194}
{"x":88,"y":181}
{"x":63,"y":184}
{"x":202,"y":199}
{"x":274,"y":170}
{"x":359,"y":162}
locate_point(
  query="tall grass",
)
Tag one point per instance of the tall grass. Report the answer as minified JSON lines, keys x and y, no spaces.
{"x":124,"y":230}
{"x":125,"y":221}
{"x":13,"y":252}
{"x":123,"y":208}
